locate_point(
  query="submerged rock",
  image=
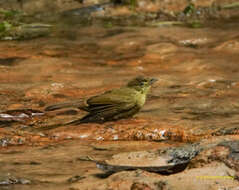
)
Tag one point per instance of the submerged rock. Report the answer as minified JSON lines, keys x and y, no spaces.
{"x":19,"y":114}
{"x":25,"y":31}
{"x":85,"y":11}
{"x":11,"y":180}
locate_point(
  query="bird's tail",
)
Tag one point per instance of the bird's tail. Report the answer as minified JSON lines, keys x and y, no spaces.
{"x":75,"y":122}
{"x":89,"y":118}
{"x":78,"y":104}
{"x":54,"y":126}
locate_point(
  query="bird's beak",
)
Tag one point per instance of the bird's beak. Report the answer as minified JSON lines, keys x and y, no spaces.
{"x":153,"y":80}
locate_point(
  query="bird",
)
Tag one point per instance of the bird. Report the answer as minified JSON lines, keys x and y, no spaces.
{"x":112,"y":105}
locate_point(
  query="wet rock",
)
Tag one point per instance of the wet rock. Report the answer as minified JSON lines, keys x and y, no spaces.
{"x":75,"y":179}
{"x":10,"y":61}
{"x":204,"y":174}
{"x":135,"y":180}
{"x":216,"y":175}
{"x":100,"y":148}
{"x":11,"y":180}
{"x":32,"y":7}
{"x":225,"y":152}
{"x":12,"y":140}
{"x":26,"y":32}
{"x":85,"y":12}
{"x":19,"y":114}
{"x":140,"y":186}
{"x":162,"y":161}
{"x":232,"y":130}
{"x":234,"y":148}
{"x":231,"y":46}
{"x":183,"y":154}
{"x":4,"y":142}
{"x":232,"y":159}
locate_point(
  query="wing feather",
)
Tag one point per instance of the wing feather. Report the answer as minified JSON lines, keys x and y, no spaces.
{"x":110,"y":106}
{"x":113,"y":97}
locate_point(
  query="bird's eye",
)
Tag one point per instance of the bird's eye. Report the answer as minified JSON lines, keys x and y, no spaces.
{"x":142,"y":83}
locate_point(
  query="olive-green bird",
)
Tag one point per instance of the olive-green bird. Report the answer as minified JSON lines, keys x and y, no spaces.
{"x":112,"y":105}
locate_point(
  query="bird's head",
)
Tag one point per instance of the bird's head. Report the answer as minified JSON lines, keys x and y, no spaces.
{"x":141,"y":83}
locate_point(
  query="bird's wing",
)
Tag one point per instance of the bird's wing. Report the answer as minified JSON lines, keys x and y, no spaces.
{"x":114,"y":100}
{"x":78,"y":103}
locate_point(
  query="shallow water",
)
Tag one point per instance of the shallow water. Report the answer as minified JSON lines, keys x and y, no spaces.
{"x":196,"y":96}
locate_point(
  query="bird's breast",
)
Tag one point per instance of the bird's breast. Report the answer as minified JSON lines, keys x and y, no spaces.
{"x":141,"y":99}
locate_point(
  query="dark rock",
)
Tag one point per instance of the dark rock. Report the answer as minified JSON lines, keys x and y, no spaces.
{"x":4,"y":142}
{"x":140,"y":186}
{"x":234,"y":149}
{"x":167,"y":161}
{"x":10,"y":61}
{"x":75,"y":179}
{"x":85,"y":11}
{"x":11,"y":180}
{"x":183,"y":154}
